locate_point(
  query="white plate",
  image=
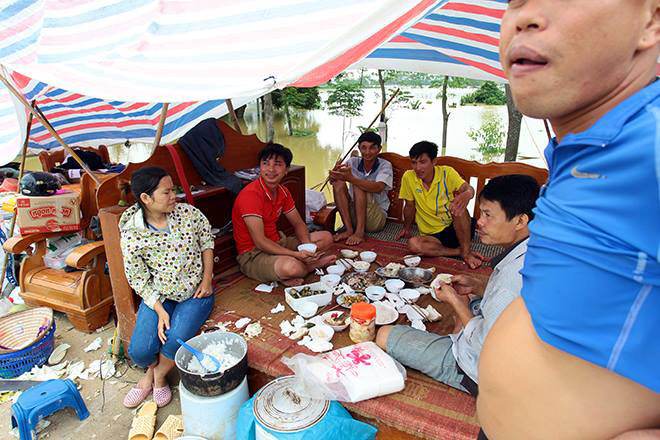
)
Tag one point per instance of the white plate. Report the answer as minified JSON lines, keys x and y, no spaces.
{"x":385,"y":314}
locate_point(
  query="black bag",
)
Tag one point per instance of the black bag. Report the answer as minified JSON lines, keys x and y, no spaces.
{"x":39,"y":183}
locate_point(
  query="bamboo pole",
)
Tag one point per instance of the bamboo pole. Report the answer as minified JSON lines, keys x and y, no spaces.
{"x":37,"y":114}
{"x":382,"y":110}
{"x":232,"y":114}
{"x":161,"y":124}
{"x":21,"y":169}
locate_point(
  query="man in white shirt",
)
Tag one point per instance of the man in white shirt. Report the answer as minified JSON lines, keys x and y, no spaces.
{"x":360,"y":186}
{"x":506,"y":210}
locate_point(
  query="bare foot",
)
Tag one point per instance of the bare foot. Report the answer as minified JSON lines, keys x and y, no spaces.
{"x":341,"y":236}
{"x":293,"y":282}
{"x":473,"y":260}
{"x":354,"y":239}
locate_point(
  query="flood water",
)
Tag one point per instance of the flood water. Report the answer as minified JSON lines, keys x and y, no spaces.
{"x":319,"y":150}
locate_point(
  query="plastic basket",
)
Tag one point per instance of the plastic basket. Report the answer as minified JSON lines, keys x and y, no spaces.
{"x":16,"y":363}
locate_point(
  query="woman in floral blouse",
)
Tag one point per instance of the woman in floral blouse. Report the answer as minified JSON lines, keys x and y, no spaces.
{"x":168,"y":258}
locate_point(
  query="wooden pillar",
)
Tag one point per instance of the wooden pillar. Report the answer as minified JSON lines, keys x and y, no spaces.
{"x":232,"y":114}
{"x":161,"y":124}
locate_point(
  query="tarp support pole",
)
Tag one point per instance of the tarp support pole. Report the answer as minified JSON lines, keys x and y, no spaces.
{"x":161,"y":124}
{"x":46,"y":124}
{"x":21,"y":169}
{"x":342,"y":159}
{"x":233,"y":116}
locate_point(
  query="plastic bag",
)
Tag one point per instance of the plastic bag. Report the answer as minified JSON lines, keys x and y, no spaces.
{"x":350,"y":374}
{"x":314,"y":201}
{"x":60,"y":248}
{"x":337,"y":424}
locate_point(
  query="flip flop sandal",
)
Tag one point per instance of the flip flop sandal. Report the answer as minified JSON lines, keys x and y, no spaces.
{"x":171,"y":429}
{"x":144,"y":422}
{"x":136,"y":396}
{"x":162,"y":396}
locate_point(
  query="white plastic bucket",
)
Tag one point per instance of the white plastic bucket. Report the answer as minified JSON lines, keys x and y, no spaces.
{"x":213,"y":418}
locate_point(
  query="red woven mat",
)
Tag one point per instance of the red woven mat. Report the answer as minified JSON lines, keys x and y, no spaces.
{"x":425,"y":408}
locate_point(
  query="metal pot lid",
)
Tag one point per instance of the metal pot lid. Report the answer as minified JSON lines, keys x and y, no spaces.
{"x":278,"y":407}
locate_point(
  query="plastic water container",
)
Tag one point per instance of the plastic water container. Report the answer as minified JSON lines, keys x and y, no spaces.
{"x":212,"y":418}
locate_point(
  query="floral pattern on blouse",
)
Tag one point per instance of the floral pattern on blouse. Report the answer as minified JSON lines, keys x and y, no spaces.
{"x":162,"y":265}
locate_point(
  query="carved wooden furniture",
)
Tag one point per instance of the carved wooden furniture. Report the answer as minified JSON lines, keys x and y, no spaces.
{"x":51,"y":159}
{"x":466,"y":168}
{"x":215,"y":202}
{"x":84,"y":295}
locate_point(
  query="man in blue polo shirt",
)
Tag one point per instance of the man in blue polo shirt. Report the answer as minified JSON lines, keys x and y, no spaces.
{"x":578,"y":355}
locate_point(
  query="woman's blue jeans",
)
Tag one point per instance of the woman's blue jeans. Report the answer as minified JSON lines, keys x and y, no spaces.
{"x":186,"y":318}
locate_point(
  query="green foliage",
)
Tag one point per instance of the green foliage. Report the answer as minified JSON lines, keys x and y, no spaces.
{"x":364,"y":129}
{"x":345,"y":100}
{"x":301,"y":132}
{"x":489,"y":93}
{"x":299,"y":98}
{"x":415,"y":105}
{"x":489,"y":137}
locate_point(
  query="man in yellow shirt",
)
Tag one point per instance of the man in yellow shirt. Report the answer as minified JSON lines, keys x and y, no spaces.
{"x":436,"y":198}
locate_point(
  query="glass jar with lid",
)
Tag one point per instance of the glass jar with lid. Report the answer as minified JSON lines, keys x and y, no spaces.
{"x":363,"y":322}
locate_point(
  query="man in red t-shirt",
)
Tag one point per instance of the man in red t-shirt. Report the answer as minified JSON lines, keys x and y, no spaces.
{"x":264,"y":253}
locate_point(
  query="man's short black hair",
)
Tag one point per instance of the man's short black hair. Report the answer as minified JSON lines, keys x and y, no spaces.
{"x":276,"y":150}
{"x":370,"y":136}
{"x":430,"y":148}
{"x":516,"y":194}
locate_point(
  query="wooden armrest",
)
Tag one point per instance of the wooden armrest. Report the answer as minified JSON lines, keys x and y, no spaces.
{"x":325,"y":217}
{"x":18,"y":244}
{"x":82,"y":255}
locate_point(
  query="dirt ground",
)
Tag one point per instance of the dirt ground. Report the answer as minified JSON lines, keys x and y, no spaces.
{"x":108,"y":418}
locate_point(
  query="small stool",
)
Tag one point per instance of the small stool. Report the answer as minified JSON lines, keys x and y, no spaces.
{"x":43,"y":400}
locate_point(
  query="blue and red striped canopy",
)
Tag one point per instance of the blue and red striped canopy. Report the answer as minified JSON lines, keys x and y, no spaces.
{"x":456,"y":38}
{"x":100,"y":69}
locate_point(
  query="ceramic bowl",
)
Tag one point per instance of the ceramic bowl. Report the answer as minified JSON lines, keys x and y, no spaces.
{"x":330,"y":280}
{"x":307,"y":309}
{"x":409,"y":294}
{"x":307,"y":247}
{"x":322,"y":332}
{"x":394,"y":285}
{"x":374,"y":293}
{"x":337,"y":328}
{"x":349,"y":253}
{"x":361,"y":266}
{"x":336,"y":269}
{"x":412,"y":260}
{"x":368,"y":256}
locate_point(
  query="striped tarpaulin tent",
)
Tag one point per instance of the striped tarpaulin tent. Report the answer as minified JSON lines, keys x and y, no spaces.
{"x":457,"y":38}
{"x":116,"y":53}
{"x":83,"y":120}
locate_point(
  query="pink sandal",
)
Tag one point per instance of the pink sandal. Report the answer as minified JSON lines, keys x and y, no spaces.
{"x":162,"y":396}
{"x":136,"y":396}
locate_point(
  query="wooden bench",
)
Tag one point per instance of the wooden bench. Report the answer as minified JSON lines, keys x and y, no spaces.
{"x":215,"y":202}
{"x":52,"y":158}
{"x":475,"y":173}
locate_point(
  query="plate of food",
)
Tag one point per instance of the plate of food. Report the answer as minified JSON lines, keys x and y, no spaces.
{"x":361,"y":280}
{"x":347,"y":300}
{"x":390,"y":271}
{"x":337,"y":320}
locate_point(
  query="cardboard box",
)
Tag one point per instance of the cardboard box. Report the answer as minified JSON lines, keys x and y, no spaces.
{"x":56,"y":213}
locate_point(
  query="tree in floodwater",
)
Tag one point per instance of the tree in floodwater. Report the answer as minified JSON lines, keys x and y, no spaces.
{"x":445,"y":112}
{"x":345,"y":100}
{"x":489,"y":93}
{"x":489,"y":137}
{"x":513,"y":133}
{"x":297,"y":98}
